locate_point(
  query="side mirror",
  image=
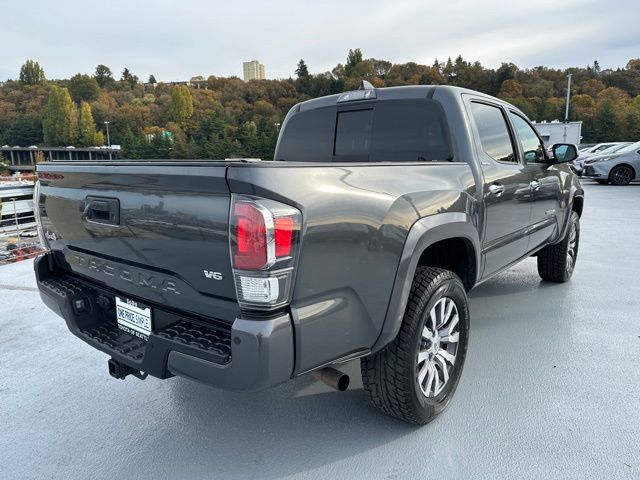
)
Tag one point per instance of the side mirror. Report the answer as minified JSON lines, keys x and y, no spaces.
{"x":565,"y":152}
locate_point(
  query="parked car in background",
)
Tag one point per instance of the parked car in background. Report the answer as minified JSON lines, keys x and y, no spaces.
{"x":585,"y":146}
{"x":578,"y":163}
{"x":618,"y":168}
{"x":598,"y":148}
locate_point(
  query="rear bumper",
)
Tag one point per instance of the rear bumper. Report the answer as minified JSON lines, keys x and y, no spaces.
{"x":247,"y":355}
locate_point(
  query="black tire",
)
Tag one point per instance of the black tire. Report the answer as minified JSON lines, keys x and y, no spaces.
{"x":390,"y":376}
{"x":621,"y":175}
{"x":554,"y":264}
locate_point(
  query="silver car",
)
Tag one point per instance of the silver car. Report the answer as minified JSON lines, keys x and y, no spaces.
{"x":618,"y":168}
{"x":596,"y":150}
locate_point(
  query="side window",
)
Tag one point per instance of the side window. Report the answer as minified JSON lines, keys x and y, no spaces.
{"x":410,"y":131}
{"x":531,"y":145}
{"x":494,"y":132}
{"x":308,"y":136}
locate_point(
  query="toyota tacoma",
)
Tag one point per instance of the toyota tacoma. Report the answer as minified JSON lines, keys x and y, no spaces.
{"x":380,"y":210}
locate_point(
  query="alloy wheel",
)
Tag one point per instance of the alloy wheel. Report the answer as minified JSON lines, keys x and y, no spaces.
{"x":438,"y":347}
{"x":572,"y":247}
{"x":622,"y":176}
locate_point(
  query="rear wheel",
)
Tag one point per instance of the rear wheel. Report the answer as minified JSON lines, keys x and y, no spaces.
{"x":557,"y":262}
{"x":416,"y":375}
{"x":621,"y":175}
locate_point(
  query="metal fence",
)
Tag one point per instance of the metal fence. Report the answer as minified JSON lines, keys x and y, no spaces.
{"x":19,"y":241}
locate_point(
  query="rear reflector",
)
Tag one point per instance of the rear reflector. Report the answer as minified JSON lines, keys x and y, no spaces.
{"x":283,"y":227}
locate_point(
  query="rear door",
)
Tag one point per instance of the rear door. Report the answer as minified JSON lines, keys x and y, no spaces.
{"x":546,"y":191}
{"x":157,"y":232}
{"x":507,"y":193}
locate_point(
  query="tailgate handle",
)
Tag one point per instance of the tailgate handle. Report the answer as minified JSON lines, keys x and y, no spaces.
{"x":102,"y":210}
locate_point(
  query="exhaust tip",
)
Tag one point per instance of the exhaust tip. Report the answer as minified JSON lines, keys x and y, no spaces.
{"x":343,"y":382}
{"x":333,"y":378}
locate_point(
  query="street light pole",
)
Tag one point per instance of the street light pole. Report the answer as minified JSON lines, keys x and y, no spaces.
{"x":566,"y":109}
{"x":108,"y":139}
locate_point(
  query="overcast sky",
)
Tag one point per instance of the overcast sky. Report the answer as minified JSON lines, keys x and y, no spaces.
{"x":175,"y":40}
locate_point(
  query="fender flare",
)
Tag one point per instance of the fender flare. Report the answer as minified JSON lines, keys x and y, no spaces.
{"x":423,"y":233}
{"x":579,"y":193}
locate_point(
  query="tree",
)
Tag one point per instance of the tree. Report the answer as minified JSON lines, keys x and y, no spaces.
{"x":380,"y":67}
{"x":129,"y":78}
{"x":181,"y":104}
{"x":25,"y":130}
{"x":31,"y":73}
{"x":510,"y":90}
{"x":86,"y":126}
{"x":103,"y":75}
{"x":302,"y":70}
{"x":60,"y":125}
{"x":83,"y":88}
{"x":152,"y":79}
{"x":354,"y":57}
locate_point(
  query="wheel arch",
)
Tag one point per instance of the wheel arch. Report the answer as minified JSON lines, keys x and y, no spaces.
{"x":446,"y":240}
{"x":624,"y":164}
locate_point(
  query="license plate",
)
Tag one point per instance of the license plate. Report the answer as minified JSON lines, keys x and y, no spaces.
{"x":133,"y":317}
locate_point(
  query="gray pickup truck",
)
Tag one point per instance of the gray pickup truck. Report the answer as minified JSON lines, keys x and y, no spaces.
{"x":381,"y":209}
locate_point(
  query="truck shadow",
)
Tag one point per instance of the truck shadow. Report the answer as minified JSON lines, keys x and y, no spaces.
{"x":303,"y":425}
{"x":287,"y":430}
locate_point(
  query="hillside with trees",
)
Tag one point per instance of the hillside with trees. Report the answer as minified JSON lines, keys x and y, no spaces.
{"x":226,"y":117}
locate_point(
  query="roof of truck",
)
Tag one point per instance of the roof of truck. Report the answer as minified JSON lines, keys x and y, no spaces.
{"x":396,"y":93}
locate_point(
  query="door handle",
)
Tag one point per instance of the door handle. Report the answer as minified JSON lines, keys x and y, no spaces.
{"x":101,"y":210}
{"x":534,"y":184}
{"x":496,"y":189}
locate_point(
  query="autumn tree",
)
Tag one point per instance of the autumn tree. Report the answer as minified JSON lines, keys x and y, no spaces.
{"x":181,"y":104}
{"x":88,"y":135}
{"x":60,"y":125}
{"x":31,"y":73}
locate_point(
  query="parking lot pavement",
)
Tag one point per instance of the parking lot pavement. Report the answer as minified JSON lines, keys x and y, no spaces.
{"x":551,"y":389}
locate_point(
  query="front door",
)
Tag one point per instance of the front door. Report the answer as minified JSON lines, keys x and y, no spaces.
{"x":507,"y":190}
{"x":545,"y":183}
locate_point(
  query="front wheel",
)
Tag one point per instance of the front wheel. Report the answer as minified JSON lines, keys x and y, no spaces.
{"x":557,"y":262}
{"x":621,"y":175}
{"x":416,"y":375}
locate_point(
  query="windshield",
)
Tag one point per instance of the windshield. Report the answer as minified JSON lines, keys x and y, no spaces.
{"x":629,"y":148}
{"x":615,"y":148}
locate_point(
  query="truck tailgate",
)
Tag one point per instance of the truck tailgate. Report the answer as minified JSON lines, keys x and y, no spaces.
{"x":157,"y":231}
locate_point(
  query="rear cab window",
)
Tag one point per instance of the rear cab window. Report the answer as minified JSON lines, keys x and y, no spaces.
{"x":493,"y":131}
{"x":412,"y":130}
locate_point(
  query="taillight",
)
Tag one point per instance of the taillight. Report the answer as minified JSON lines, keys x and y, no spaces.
{"x":264,"y":236}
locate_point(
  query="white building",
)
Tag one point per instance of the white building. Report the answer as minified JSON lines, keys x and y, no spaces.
{"x":253,"y":70}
